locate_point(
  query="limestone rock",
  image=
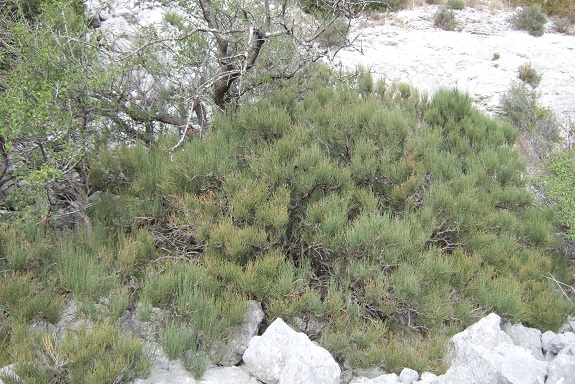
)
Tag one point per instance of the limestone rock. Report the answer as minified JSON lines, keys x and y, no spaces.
{"x":8,"y":372}
{"x":177,"y":374}
{"x":558,"y":342}
{"x":428,"y":378}
{"x":483,"y":353}
{"x":227,"y":375}
{"x":174,"y":374}
{"x":528,"y":338}
{"x":563,"y":367}
{"x":284,"y":356}
{"x":389,"y":378}
{"x":408,"y":376}
{"x":407,"y":48}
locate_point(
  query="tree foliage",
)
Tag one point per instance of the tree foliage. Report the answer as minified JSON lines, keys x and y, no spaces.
{"x":45,"y":104}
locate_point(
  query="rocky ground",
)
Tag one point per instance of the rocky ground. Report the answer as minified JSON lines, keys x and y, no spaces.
{"x":406,"y":47}
{"x":488,"y":352}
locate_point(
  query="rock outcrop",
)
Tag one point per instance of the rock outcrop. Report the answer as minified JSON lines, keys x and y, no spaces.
{"x":284,"y":356}
{"x":488,"y":353}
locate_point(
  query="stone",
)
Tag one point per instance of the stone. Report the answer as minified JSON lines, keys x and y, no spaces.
{"x":459,"y":375}
{"x":408,"y":376}
{"x":389,"y":378}
{"x":563,"y":367}
{"x":428,"y":378}
{"x":281,"y":349}
{"x":227,"y":375}
{"x":240,"y":336}
{"x":71,"y":319}
{"x":369,"y":373}
{"x":560,"y":341}
{"x":528,"y":338}
{"x":174,"y":374}
{"x":546,"y":344}
{"x":8,"y":372}
{"x":483,"y":353}
{"x":177,"y":374}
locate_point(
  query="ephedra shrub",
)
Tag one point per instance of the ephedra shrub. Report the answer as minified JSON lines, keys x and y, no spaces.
{"x":389,"y":219}
{"x":415,"y":208}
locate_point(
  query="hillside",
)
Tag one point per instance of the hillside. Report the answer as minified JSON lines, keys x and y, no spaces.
{"x":144,"y":212}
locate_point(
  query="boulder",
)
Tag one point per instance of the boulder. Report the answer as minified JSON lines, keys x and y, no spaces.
{"x":483,"y":353}
{"x":408,"y":376}
{"x":556,"y":343}
{"x":428,"y":378}
{"x":389,"y":378}
{"x":282,"y":355}
{"x":528,"y":338}
{"x":562,"y":367}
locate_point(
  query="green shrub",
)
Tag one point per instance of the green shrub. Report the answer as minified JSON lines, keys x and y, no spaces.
{"x":535,"y":123}
{"x":564,"y":8}
{"x":566,"y":24}
{"x":383,"y":216}
{"x":531,"y":19}
{"x":456,"y":4}
{"x":559,"y":185}
{"x":100,"y":354}
{"x":444,"y":18}
{"x":529,"y":75}
{"x":333,"y":33}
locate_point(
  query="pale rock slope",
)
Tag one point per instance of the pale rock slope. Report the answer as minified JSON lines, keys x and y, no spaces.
{"x":406,"y":47}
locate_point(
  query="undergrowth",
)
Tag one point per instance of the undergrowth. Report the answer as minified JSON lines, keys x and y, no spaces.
{"x":392,"y":219}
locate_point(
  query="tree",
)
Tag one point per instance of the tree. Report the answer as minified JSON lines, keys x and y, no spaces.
{"x":214,"y":54}
{"x":67,"y":87}
{"x":46,"y":112}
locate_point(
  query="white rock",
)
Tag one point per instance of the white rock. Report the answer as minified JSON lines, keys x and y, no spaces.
{"x":528,"y":338}
{"x":389,"y":378}
{"x":175,"y":374}
{"x":560,"y":341}
{"x":428,"y":378}
{"x":8,"y":371}
{"x":408,"y":376}
{"x":546,"y":344}
{"x":227,"y":375}
{"x":268,"y":356}
{"x":485,"y":354}
{"x":563,"y":367}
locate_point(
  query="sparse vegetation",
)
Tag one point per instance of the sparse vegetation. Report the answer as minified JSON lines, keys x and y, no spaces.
{"x":529,"y":75}
{"x":559,"y":186}
{"x":531,"y":19}
{"x":566,"y":24}
{"x":561,"y":8}
{"x":335,"y":33}
{"x":456,"y":4}
{"x":445,"y":19}
{"x":535,"y":123}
